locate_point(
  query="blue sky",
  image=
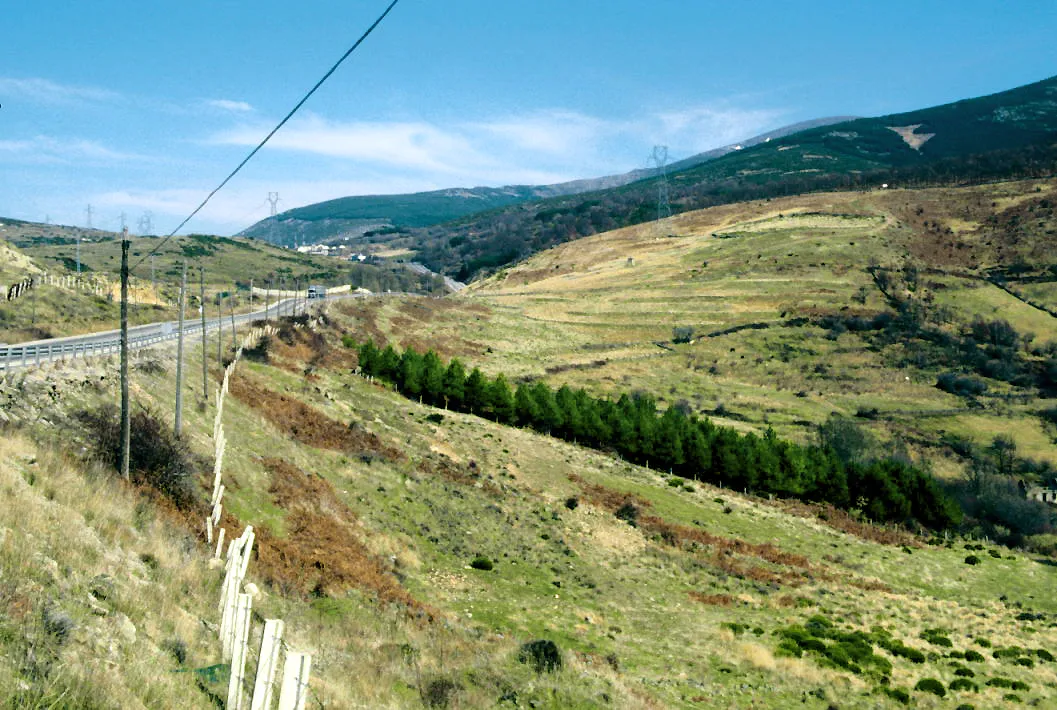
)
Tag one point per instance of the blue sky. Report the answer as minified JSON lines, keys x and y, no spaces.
{"x":137,"y":107}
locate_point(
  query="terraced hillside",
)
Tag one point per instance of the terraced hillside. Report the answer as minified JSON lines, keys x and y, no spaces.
{"x":797,"y":309}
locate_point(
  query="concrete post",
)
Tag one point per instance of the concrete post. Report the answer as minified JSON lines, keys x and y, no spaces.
{"x":296,"y":672}
{"x":267,"y":664}
{"x":239,"y":642}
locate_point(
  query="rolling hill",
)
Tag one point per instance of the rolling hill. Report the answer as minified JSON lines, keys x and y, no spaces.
{"x":432,"y":557}
{"x":354,"y":216}
{"x":1005,"y":135}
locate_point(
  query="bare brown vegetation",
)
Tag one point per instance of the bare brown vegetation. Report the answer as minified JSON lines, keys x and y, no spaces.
{"x":306,"y":424}
{"x":321,"y":553}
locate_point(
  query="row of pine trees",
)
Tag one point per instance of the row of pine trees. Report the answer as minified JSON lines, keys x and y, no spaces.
{"x":885,"y":490}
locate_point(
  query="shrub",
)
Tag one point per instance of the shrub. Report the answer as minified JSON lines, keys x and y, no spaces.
{"x":572,"y":503}
{"x":438,"y":693}
{"x":1025,"y":661}
{"x":1044,"y":655}
{"x":980,"y":641}
{"x":961,"y":385}
{"x":898,"y":694}
{"x":1012,"y":698}
{"x":629,"y":513}
{"x":936,"y":638}
{"x":965,"y":706}
{"x":964,"y":672}
{"x":1000,"y":682}
{"x":542,"y":655}
{"x":1019,"y":685}
{"x":156,"y":457}
{"x":482,"y":563}
{"x":963,"y":684}
{"x":931,"y":685}
{"x":972,"y":560}
{"x":682,"y":334}
{"x":974,"y":656}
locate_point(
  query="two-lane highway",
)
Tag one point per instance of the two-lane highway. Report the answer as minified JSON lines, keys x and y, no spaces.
{"x":38,"y":351}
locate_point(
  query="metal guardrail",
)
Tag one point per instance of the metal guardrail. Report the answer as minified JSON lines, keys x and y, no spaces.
{"x":13,"y":356}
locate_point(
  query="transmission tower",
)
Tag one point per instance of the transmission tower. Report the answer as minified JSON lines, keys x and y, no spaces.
{"x":659,"y":160}
{"x":88,"y":216}
{"x":273,"y":200}
{"x":146,"y":225}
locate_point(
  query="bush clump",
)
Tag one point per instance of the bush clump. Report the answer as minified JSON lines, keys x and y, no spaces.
{"x":972,"y":560}
{"x":931,"y":685}
{"x":959,"y":684}
{"x":897,"y":694}
{"x":936,"y":638}
{"x":974,"y":656}
{"x":629,"y":513}
{"x":156,"y":457}
{"x":482,"y":563}
{"x":961,"y":385}
{"x":542,"y":655}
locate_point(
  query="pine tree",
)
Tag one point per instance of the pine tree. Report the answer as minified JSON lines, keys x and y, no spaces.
{"x":476,"y":397}
{"x":455,"y":384}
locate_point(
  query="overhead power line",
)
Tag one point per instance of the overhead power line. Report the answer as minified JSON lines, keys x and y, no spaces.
{"x":275,"y":130}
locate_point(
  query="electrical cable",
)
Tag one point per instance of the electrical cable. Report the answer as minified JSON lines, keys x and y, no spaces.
{"x":272,"y":133}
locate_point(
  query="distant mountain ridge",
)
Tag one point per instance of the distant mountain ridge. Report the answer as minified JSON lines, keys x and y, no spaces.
{"x":357,"y":214}
{"x":1010,"y":134}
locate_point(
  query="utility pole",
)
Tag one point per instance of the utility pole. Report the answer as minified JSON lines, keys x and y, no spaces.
{"x":126,"y":423}
{"x":297,"y":290}
{"x":231,"y":310}
{"x":267,"y":299}
{"x":153,"y":280}
{"x":180,"y":354}
{"x":78,"y":253}
{"x":251,"y":295}
{"x":205,"y":359}
{"x":88,"y":216}
{"x":220,"y":330}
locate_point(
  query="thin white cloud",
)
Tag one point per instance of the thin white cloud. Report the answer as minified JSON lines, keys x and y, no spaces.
{"x":229,"y":105}
{"x":409,"y":145}
{"x":558,"y":144}
{"x":49,"y":149}
{"x":50,"y":92}
{"x":703,"y":128}
{"x":554,"y":132}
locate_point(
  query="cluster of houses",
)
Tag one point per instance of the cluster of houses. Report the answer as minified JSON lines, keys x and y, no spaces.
{"x":339,"y":252}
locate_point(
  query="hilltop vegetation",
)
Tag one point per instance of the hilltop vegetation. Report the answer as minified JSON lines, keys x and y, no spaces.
{"x":365,"y":216}
{"x":1003,"y":136}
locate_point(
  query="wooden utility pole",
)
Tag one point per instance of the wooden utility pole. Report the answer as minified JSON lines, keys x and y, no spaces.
{"x":297,"y":290}
{"x":267,"y":298}
{"x":180,"y":355}
{"x":205,"y":344}
{"x":126,"y":423}
{"x":231,"y":310}
{"x":220,"y":330}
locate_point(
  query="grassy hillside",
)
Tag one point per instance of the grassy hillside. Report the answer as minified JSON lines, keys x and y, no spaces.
{"x":358,"y":214}
{"x":782,"y":298}
{"x":370,"y":509}
{"x":1003,"y":136}
{"x":230,"y":264}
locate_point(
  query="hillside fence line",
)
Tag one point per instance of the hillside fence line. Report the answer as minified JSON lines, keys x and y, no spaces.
{"x":236,"y":598}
